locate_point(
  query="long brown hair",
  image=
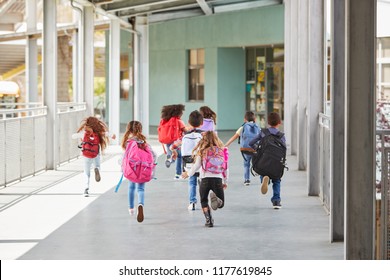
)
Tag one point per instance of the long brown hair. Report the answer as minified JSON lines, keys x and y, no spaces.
{"x":98,"y":127}
{"x":210,"y":140}
{"x":133,"y":129}
{"x":208,"y":113}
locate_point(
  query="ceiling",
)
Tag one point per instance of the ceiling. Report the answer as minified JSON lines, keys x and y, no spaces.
{"x":12,"y":16}
{"x":163,"y":10}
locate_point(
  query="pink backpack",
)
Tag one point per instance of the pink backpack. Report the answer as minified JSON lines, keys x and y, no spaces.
{"x":216,"y":160}
{"x":137,"y":163}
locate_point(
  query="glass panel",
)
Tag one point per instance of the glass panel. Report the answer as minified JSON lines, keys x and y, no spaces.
{"x":193,"y":55}
{"x":200,"y":57}
{"x":201,"y":76}
{"x":386,"y":73}
{"x":385,"y":47}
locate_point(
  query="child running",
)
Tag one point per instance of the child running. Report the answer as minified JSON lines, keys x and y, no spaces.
{"x":95,"y":138}
{"x":209,"y":118}
{"x":170,"y":129}
{"x":211,"y":159}
{"x":134,"y":132}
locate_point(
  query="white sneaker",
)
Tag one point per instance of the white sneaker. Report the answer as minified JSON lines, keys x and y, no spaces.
{"x":192,"y":206}
{"x":131,"y":211}
{"x":86,"y":194}
{"x":264,"y":185}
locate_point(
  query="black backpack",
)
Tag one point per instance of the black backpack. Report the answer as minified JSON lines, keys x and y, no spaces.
{"x":270,"y":157}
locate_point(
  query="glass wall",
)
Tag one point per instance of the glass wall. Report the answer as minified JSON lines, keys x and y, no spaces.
{"x":265,"y":82}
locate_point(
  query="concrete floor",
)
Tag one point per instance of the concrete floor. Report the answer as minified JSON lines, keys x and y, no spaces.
{"x":46,"y":217}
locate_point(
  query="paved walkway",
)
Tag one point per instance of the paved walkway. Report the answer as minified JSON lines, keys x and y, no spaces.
{"x":46,"y":217}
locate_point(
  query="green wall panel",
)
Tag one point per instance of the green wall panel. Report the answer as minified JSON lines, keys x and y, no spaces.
{"x":223,"y":37}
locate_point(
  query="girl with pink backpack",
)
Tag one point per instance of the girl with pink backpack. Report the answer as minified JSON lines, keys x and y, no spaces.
{"x":137,"y":165}
{"x":211,"y":161}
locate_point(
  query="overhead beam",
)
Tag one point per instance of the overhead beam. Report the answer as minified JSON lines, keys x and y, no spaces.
{"x":205,"y":7}
{"x":137,"y":4}
{"x":7,"y":27}
{"x":245,"y":5}
{"x":4,"y":8}
{"x":11,"y":18}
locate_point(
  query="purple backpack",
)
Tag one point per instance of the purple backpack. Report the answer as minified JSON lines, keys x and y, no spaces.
{"x":208,"y":125}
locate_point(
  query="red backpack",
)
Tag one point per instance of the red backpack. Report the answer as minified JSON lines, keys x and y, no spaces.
{"x":169,"y":130}
{"x":137,"y":163}
{"x":90,"y":145}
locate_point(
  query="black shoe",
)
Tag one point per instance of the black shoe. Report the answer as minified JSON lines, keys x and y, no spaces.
{"x":247,"y":182}
{"x":209,"y":218}
{"x":86,"y":194}
{"x":140,"y":213}
{"x":97,"y":175}
{"x":276,"y":204}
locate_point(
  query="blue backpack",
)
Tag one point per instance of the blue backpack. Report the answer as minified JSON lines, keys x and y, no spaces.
{"x":250,"y":130}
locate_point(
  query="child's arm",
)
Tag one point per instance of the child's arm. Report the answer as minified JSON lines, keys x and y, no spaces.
{"x":195,"y":167}
{"x":234,"y":137}
{"x":110,"y":135}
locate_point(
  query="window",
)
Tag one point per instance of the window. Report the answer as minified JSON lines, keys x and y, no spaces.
{"x":196,"y":75}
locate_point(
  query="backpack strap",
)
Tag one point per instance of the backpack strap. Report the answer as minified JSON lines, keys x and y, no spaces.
{"x":280,"y":134}
{"x":119,"y":183}
{"x":266,"y":131}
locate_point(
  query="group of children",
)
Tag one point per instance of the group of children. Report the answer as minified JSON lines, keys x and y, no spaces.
{"x":198,"y":152}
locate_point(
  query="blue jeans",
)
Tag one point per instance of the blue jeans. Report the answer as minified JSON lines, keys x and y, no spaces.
{"x":275,"y":189}
{"x":247,"y":166}
{"x":178,"y":159}
{"x":192,"y":182}
{"x":88,"y":162}
{"x":140,"y":193}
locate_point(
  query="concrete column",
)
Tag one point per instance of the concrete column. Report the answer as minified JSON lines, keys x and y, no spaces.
{"x":303,"y":82}
{"x":337,"y":120}
{"x":360,"y":129}
{"x":31,"y":53}
{"x":287,"y":73}
{"x":50,"y":81}
{"x":293,"y":77}
{"x":114,"y":77}
{"x":141,"y":96}
{"x":316,"y":81}
{"x":88,"y":57}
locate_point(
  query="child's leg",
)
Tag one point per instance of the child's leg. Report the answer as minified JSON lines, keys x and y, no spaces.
{"x":179,"y":163}
{"x":247,"y":165}
{"x":87,"y":171}
{"x":97,"y":168}
{"x":141,"y":201}
{"x":192,"y":182}
{"x":168,"y":161}
{"x":141,"y":193}
{"x":218,"y":195}
{"x":131,"y":195}
{"x":276,"y":192}
{"x":204,"y":189}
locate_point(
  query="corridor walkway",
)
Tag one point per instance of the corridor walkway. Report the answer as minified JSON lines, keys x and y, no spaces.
{"x":46,"y":217}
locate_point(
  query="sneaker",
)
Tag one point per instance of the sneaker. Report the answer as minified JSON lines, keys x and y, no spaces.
{"x":177,"y":177}
{"x":140,"y":213}
{"x":131,"y":211}
{"x":247,"y":182}
{"x":214,"y":201}
{"x":264,"y":185}
{"x":86,"y":194}
{"x":192,"y":206}
{"x":97,"y":175}
{"x":276,"y":204}
{"x":168,"y":161}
